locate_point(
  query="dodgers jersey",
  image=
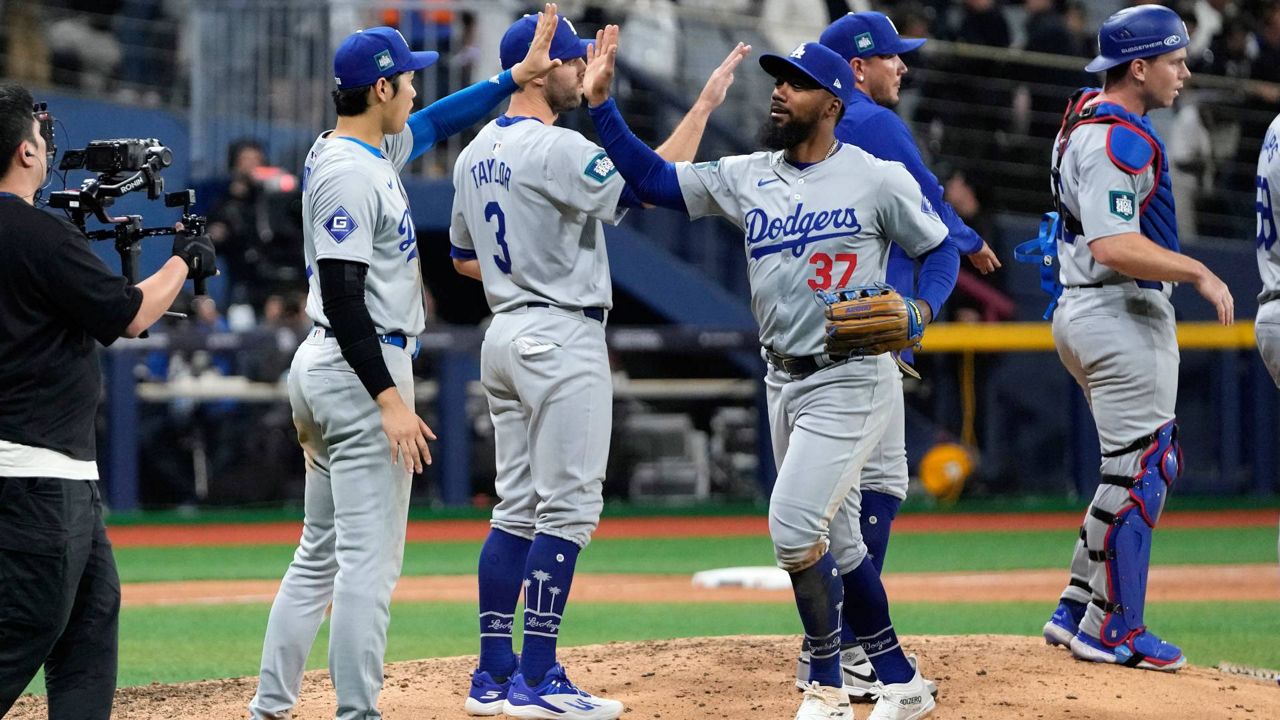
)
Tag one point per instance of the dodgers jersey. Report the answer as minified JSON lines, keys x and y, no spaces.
{"x":1106,"y":199}
{"x":355,"y":208}
{"x":824,"y":227}
{"x":528,"y":203}
{"x":1268,"y":210}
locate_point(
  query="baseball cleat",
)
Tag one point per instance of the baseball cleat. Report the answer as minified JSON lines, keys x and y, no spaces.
{"x":855,"y":668}
{"x":487,"y":695}
{"x":823,"y":702}
{"x":1141,"y":649}
{"x":859,"y":676}
{"x":557,"y":697}
{"x":1061,"y":627}
{"x":929,"y":685}
{"x":904,"y":701}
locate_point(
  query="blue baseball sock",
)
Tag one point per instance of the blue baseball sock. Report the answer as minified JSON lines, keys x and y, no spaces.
{"x":878,"y":512}
{"x":818,"y":597}
{"x":547,"y":577}
{"x":866,"y":610}
{"x":502,"y":560}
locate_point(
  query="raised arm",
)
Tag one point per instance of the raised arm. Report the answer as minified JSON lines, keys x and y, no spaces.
{"x":453,"y":113}
{"x":648,"y":175}
{"x":684,"y":140}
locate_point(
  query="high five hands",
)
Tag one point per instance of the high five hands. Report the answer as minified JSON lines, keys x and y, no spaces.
{"x":537,"y":62}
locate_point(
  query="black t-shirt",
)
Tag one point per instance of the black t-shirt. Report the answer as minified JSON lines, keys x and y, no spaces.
{"x":57,"y":302}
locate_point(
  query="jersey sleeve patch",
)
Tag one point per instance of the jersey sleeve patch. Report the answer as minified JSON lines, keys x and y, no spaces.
{"x":340,"y":225}
{"x":600,"y":168}
{"x":1123,"y":204}
{"x":1130,"y":151}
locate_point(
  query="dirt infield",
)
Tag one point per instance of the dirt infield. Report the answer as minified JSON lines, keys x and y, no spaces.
{"x":1167,"y":583}
{"x":636,"y":527}
{"x":981,"y":677}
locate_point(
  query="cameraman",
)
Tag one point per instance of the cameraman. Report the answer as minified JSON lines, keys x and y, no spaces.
{"x":59,"y":592}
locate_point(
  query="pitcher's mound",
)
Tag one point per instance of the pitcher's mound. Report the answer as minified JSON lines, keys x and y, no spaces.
{"x":983,"y":677}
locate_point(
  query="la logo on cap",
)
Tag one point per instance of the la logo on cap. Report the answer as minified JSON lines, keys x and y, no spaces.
{"x":384,"y":60}
{"x":798,"y":52}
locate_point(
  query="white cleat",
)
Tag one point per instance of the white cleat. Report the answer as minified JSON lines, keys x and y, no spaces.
{"x":859,"y":676}
{"x":823,"y":702}
{"x":904,"y":701}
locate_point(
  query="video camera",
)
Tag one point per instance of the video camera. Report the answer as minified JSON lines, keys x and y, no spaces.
{"x":123,"y":166}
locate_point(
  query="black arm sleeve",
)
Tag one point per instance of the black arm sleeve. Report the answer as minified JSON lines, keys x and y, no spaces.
{"x":342,"y":290}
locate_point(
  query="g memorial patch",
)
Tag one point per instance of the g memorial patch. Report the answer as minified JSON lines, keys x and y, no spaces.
{"x":600,"y":168}
{"x":340,"y":224}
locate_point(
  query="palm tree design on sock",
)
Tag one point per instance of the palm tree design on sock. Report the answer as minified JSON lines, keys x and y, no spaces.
{"x":555,"y":591}
{"x":541,"y":577}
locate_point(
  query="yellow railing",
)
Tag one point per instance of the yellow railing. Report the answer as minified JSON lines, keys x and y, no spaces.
{"x":1037,"y":337}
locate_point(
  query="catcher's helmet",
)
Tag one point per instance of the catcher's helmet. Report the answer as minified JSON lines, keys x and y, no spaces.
{"x":1138,"y":32}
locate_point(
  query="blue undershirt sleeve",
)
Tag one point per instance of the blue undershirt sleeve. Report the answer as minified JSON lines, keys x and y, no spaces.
{"x":938,"y":270}
{"x":453,"y":113}
{"x":887,"y":137}
{"x":651,"y":179}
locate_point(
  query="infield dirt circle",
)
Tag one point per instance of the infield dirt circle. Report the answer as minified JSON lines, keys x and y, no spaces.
{"x":980,"y":677}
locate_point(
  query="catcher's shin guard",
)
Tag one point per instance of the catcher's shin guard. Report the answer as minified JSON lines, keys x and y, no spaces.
{"x":1121,"y":541}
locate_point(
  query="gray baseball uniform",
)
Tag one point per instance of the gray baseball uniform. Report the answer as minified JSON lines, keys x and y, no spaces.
{"x":354,"y":208}
{"x":1267,"y":325}
{"x":1117,"y":339}
{"x":528,"y":204}
{"x":809,"y":229}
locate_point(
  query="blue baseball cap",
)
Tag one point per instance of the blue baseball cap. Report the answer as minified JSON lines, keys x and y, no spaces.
{"x":378,"y":52}
{"x":1138,"y":32}
{"x":866,"y":34}
{"x":565,"y":44}
{"x":818,"y":63}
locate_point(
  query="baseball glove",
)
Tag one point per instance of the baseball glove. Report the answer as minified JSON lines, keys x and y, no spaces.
{"x":869,"y":320}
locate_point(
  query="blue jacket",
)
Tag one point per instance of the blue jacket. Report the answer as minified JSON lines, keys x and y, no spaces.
{"x":880,"y":132}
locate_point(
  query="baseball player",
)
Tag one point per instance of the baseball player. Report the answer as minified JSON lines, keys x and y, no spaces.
{"x":1267,"y":325}
{"x":816,"y":215}
{"x":1114,"y":326}
{"x":869,"y":42}
{"x":527,"y":221}
{"x":351,"y":382}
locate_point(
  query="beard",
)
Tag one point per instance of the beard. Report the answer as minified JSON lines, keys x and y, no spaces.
{"x":788,"y":134}
{"x":563,"y":99}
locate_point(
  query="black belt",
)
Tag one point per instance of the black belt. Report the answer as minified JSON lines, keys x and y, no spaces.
{"x":595,"y":313}
{"x":1144,"y":284}
{"x":800,"y":367}
{"x":397,"y":339}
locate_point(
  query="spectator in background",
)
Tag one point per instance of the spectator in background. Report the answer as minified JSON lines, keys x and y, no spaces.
{"x":256,"y":226}
{"x":1048,"y":88}
{"x":1209,"y":17}
{"x":84,"y":52}
{"x":26,"y":52}
{"x":965,"y":128}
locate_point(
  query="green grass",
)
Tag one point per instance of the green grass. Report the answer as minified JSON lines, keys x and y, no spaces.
{"x":907,"y":553}
{"x":182,"y":643}
{"x":617,"y":508}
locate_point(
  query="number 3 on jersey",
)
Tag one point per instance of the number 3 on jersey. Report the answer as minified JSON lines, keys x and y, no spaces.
{"x":503,"y":261}
{"x":823,"y":264}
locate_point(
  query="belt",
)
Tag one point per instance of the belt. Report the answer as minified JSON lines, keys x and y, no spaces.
{"x":399,"y":340}
{"x":800,"y":367}
{"x":1144,"y":284}
{"x":595,"y":313}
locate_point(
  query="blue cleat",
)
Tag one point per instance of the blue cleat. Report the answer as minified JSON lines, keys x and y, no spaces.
{"x":1140,"y":649}
{"x":557,"y":697}
{"x":487,"y":695}
{"x":1062,"y":626}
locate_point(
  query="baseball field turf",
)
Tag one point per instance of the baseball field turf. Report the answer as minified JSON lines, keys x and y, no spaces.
{"x":179,"y":641}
